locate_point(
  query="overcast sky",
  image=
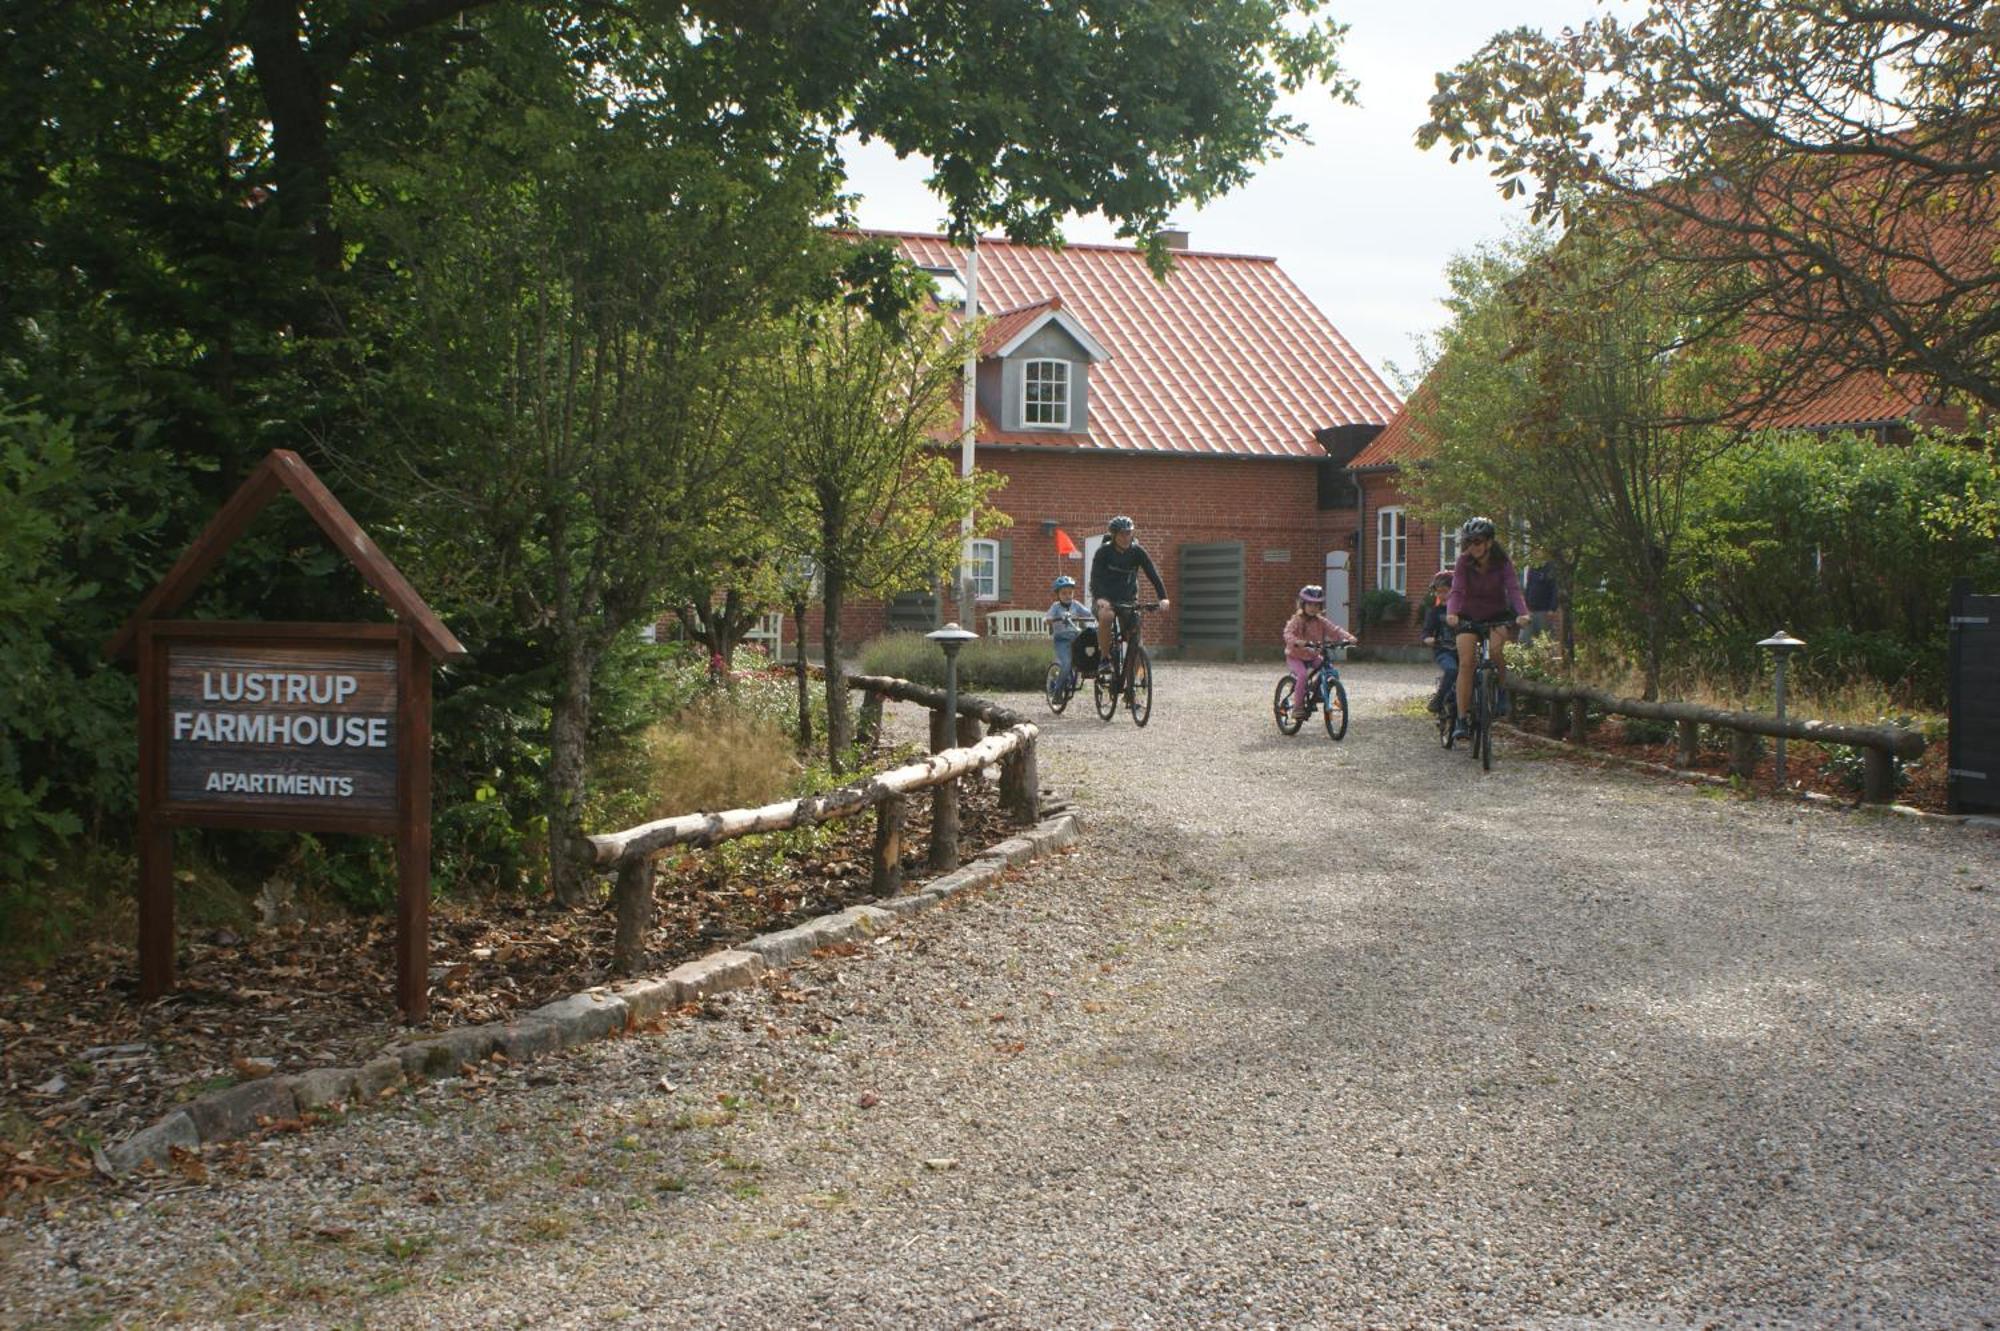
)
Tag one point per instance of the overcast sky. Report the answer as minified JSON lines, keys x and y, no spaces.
{"x":1359,"y":218}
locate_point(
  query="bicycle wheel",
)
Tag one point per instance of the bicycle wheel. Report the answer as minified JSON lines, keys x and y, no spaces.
{"x":1107,"y":696}
{"x":1139,"y":694}
{"x":1281,"y":706}
{"x":1053,"y":691}
{"x":1487,"y":691}
{"x":1333,"y":706}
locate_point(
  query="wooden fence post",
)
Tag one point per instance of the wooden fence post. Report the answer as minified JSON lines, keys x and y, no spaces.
{"x":1742,"y":754}
{"x":635,"y":914}
{"x":1579,"y":714}
{"x":1020,"y":784}
{"x":1878,"y":776}
{"x":869,"y":726}
{"x":944,"y":800}
{"x":970,"y":731}
{"x":1688,"y":746}
{"x":889,"y":816}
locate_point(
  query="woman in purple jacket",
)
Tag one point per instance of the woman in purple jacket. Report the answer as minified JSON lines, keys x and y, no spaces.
{"x":1484,"y":588}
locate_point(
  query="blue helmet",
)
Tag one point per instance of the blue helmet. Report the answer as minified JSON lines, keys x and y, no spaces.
{"x":1065,"y":581}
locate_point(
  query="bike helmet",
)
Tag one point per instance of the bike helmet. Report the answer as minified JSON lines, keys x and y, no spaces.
{"x":1441,"y":578}
{"x":1120,"y":523}
{"x":1476,"y":529}
{"x":1313,"y":594}
{"x":1064,"y":581}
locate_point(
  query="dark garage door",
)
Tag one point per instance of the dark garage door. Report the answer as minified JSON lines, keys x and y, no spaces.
{"x":1211,"y":599}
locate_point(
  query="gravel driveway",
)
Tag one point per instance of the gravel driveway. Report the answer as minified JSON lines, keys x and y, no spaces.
{"x":1304,"y":1034}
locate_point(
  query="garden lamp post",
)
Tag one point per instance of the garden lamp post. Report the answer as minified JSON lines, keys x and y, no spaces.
{"x":944,"y":733}
{"x":951,"y":637}
{"x":1781,"y":645}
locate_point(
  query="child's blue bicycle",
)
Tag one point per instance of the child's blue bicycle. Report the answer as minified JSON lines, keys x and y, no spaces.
{"x":1324,"y":694}
{"x":1057,"y":689}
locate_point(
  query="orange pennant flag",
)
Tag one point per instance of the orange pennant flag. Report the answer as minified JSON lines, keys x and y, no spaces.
{"x":1064,"y":545}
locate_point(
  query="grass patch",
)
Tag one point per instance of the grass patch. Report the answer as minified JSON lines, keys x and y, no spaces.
{"x":1016,"y":666}
{"x":712,"y":755}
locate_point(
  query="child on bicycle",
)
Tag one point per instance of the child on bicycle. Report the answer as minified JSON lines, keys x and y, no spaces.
{"x":1438,"y":637}
{"x":1304,"y":632}
{"x":1066,"y":619}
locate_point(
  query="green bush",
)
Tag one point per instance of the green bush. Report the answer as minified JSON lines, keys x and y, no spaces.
{"x":1383,"y":605}
{"x":1004,"y":667}
{"x":1646,"y":730}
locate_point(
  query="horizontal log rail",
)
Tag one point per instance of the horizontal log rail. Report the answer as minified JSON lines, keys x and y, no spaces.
{"x":708,"y":829}
{"x":1878,"y":743}
{"x":632,"y":851}
{"x":902,"y":690}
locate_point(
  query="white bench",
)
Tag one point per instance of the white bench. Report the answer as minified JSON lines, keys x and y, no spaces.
{"x":769,"y":634}
{"x":1016,"y":625}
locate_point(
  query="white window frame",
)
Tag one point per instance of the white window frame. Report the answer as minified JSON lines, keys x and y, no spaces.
{"x":1392,"y":549}
{"x":982,"y":565}
{"x":1448,"y":549}
{"x":1057,"y":407}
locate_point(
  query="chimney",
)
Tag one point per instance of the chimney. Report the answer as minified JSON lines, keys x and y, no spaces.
{"x":1176,"y":238}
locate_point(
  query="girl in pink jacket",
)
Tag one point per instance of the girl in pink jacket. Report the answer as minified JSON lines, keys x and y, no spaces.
{"x":1304,"y":632}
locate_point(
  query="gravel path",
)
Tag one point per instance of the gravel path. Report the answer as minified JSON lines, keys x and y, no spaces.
{"x":1305,"y":1034}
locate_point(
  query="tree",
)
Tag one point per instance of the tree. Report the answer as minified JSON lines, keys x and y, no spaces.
{"x":1577,"y":390}
{"x":1830,"y":170}
{"x":1475,"y":411}
{"x":861,"y":407}
{"x":580,"y":285}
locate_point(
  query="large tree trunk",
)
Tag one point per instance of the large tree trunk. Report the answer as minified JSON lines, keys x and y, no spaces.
{"x":804,"y":680}
{"x":837,"y":729}
{"x":569,"y":748}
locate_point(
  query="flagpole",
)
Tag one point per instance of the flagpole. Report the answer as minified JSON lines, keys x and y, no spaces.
{"x":968,"y":421}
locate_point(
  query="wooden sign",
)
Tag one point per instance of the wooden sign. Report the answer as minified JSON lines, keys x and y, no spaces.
{"x":307,"y":727}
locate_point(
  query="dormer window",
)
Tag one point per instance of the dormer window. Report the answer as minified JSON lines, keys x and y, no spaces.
{"x":950,"y":287}
{"x":1045,"y":394}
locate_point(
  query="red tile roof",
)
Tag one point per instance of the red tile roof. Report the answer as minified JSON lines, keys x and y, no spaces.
{"x":1863,"y":398}
{"x":1008,"y":324}
{"x":1226,"y":356}
{"x":1405,"y":439}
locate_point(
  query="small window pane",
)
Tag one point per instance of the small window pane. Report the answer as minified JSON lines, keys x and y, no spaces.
{"x":1391,"y":549}
{"x":982,"y":561}
{"x":1045,"y":393}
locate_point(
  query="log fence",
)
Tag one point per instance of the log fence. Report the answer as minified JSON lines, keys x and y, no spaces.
{"x":1879,"y":745}
{"x":959,"y":750}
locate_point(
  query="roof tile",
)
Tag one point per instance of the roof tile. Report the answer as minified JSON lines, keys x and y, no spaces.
{"x":1225,"y":356}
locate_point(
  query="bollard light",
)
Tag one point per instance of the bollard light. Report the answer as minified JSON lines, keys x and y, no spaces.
{"x":1781,"y":645}
{"x":951,"y":637}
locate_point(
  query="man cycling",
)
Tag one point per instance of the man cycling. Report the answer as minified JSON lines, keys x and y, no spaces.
{"x":1114,"y":588}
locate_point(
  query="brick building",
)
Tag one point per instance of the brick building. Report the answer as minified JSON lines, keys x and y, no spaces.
{"x":1218,"y":409}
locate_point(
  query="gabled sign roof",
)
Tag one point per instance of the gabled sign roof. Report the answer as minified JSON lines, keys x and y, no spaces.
{"x":285,"y":470}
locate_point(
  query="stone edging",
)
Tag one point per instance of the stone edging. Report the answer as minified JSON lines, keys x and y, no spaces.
{"x":1811,"y":797}
{"x":593,"y":1014}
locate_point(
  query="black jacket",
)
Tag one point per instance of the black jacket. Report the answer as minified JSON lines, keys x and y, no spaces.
{"x":1114,"y":574}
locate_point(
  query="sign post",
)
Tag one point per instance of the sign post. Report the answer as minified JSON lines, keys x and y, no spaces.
{"x":301,"y":727}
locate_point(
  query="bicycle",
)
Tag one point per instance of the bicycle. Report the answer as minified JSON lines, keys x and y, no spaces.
{"x":1485,"y":694}
{"x":1130,"y":670}
{"x":1325,"y":694}
{"x":1056,"y":690}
